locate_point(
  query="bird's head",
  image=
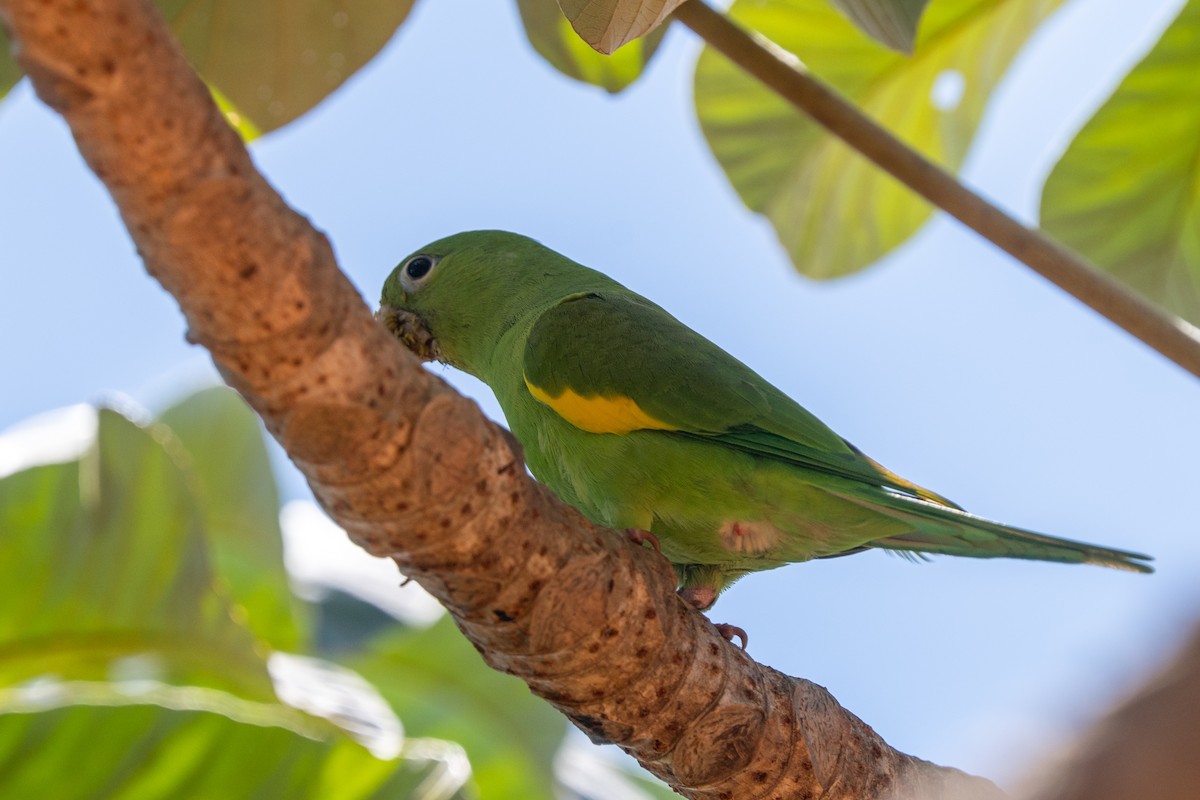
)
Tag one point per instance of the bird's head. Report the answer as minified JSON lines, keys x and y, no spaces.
{"x":454,"y":299}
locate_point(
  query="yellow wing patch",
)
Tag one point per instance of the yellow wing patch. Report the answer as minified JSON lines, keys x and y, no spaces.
{"x":919,"y":491}
{"x":597,"y":414}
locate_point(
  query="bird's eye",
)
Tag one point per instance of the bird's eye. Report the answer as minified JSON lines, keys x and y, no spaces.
{"x":418,"y":267}
{"x":414,"y":271}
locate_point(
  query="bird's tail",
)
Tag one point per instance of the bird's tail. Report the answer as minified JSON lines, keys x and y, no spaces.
{"x":949,"y":530}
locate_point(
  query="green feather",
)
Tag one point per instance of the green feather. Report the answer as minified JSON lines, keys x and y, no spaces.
{"x":640,"y":422}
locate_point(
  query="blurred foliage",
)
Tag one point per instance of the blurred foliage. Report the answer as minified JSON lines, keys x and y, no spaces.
{"x":143,"y":598}
{"x":87,"y":748}
{"x":1127,"y":192}
{"x":607,"y":25}
{"x":556,"y":41}
{"x":236,"y":119}
{"x":834,"y":211}
{"x":106,"y":567}
{"x":274,"y":61}
{"x":447,"y":692}
{"x":128,"y":626}
{"x":344,"y":624}
{"x":142,"y":589}
{"x":893,"y":22}
{"x":239,"y":504}
{"x":9,"y":72}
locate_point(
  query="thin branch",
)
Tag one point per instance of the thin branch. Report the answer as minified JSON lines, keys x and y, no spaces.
{"x":1062,"y":267}
{"x":412,"y":470}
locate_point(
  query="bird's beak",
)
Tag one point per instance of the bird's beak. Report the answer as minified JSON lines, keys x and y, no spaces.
{"x":411,"y":330}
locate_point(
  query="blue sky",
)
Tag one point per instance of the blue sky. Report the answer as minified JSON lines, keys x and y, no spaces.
{"x":948,"y":362}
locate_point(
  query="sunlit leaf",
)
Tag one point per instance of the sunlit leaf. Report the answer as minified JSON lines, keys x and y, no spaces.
{"x":833,"y":210}
{"x":608,"y":24}
{"x":86,"y":741}
{"x":893,"y":22}
{"x":105,"y":574}
{"x":553,"y":37}
{"x":441,"y":688}
{"x":9,"y":72}
{"x":239,"y":502}
{"x":1127,"y":192}
{"x":274,"y":61}
{"x":236,"y":119}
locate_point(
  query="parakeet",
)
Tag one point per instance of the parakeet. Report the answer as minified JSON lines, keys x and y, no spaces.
{"x":643,"y":424}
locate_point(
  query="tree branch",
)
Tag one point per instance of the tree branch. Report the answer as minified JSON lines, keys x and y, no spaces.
{"x":412,"y":470}
{"x":1146,"y":748}
{"x":1054,"y":262}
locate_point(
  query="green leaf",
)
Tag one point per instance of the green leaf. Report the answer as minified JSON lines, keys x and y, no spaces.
{"x":86,"y":741}
{"x":239,"y":504}
{"x":236,"y":119}
{"x":553,"y":37}
{"x":1127,"y":192}
{"x":441,"y":688}
{"x":10,"y":73}
{"x":274,"y":61}
{"x":834,"y":211}
{"x":893,"y":22}
{"x":105,"y":573}
{"x":608,"y":24}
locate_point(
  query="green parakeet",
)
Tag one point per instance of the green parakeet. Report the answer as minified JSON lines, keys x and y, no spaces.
{"x":643,"y":424}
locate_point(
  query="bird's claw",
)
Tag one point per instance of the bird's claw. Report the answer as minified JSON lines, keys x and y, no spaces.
{"x":730,"y":631}
{"x":640,"y":537}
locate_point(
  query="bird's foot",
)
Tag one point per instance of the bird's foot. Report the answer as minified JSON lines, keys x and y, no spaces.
{"x":701,"y":598}
{"x":640,"y":537}
{"x":730,"y":631}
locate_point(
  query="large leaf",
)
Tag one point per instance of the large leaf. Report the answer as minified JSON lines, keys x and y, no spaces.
{"x":833,"y":210}
{"x":893,"y":22}
{"x":441,"y":688}
{"x":1127,"y":192}
{"x":87,"y":741}
{"x":9,"y":72}
{"x":276,"y":60}
{"x":608,"y":24}
{"x":239,"y":502}
{"x":553,"y":37}
{"x":105,"y":574}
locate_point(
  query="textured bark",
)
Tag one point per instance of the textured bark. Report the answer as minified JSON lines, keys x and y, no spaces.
{"x":412,"y":470}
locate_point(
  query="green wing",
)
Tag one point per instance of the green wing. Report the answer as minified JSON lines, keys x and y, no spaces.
{"x":592,"y":353}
